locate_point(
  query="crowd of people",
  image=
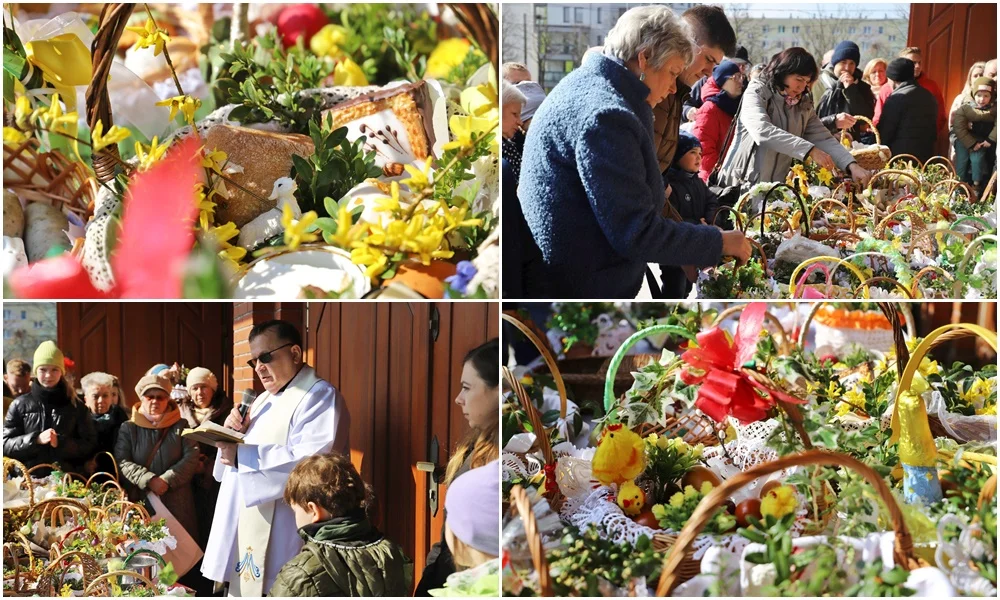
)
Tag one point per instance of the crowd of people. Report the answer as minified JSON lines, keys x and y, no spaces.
{"x":627,"y":160}
{"x":283,"y":513}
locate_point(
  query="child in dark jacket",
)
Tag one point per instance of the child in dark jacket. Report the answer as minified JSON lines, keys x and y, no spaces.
{"x":692,"y":200}
{"x":344,"y":554}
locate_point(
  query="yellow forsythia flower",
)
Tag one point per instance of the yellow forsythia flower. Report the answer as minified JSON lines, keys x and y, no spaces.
{"x":295,"y":229}
{"x":150,"y":35}
{"x":327,"y":41}
{"x":148,"y":157}
{"x":185,"y":104}
{"x":99,"y":140}
{"x":13,"y":137}
{"x":446,"y":56}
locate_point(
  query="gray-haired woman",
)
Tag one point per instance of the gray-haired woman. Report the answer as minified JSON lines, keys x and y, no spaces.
{"x":101,"y":394}
{"x":511,"y":102}
{"x":591,"y":187}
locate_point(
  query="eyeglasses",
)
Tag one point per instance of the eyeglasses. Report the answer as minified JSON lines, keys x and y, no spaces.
{"x":266,"y":357}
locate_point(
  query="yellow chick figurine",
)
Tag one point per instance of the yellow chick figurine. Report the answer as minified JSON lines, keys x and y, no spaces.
{"x":631,"y":498}
{"x":620,"y":456}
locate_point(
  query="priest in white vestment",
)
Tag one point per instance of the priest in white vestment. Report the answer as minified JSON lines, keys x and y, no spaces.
{"x":253,"y":532}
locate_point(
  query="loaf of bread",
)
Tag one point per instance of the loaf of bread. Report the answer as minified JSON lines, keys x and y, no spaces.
{"x":395,"y":122}
{"x":263,"y":157}
{"x":44,"y":230}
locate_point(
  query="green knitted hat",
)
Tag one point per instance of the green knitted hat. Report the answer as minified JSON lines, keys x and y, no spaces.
{"x":49,"y":354}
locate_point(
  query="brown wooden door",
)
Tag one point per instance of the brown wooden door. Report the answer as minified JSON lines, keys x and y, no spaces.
{"x":126,"y":339}
{"x":952,"y":37}
{"x":399,"y":384}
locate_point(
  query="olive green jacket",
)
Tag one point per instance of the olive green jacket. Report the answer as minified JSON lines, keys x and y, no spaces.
{"x":345,"y":556}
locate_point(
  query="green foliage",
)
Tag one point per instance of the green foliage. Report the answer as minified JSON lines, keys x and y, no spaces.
{"x":666,"y":463}
{"x":467,"y":68}
{"x":585,"y":562}
{"x":575,"y":319}
{"x":333,"y":169}
{"x":264,"y":80}
{"x":879,"y":582}
{"x":651,"y":392}
{"x":677,"y":511}
{"x":729,"y":281}
{"x":374,"y":28}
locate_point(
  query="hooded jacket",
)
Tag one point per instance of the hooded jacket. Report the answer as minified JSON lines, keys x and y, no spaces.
{"x":43,"y":408}
{"x":691,"y":196}
{"x":971,"y":124}
{"x":345,"y":556}
{"x":909,"y":106}
{"x":711,"y":124}
{"x":175,"y":462}
{"x":781,"y":134}
{"x":854,"y":100}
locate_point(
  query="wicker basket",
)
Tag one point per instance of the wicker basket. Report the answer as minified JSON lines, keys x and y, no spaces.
{"x":851,"y":223}
{"x":903,"y":550}
{"x":872,"y":158}
{"x":49,"y":177}
{"x":521,"y":505}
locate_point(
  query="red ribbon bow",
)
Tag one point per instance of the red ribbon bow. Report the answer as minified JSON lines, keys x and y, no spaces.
{"x":727,"y":387}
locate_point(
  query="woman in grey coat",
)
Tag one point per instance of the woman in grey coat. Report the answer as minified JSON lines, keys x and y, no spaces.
{"x":778,"y":124}
{"x":152,"y":455}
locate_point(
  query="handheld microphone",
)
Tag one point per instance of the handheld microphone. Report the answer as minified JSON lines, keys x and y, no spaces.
{"x":248,"y":397}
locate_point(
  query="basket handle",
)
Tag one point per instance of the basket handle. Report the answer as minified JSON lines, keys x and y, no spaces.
{"x":804,"y":331}
{"x":737,"y":217}
{"x":930,"y":233}
{"x":533,"y":416}
{"x":915,"y":288}
{"x":910,"y":176}
{"x":773,"y":320}
{"x":616,"y":360}
{"x":851,"y":223}
{"x":801,"y":289}
{"x":934,"y":159}
{"x":798,"y":197}
{"x":547,"y":356}
{"x":902,"y":552}
{"x":979,"y":241}
{"x":145,"y":580}
{"x":792,"y":285}
{"x":878,"y":137}
{"x":113,"y":19}
{"x":925,"y":346}
{"x":521,"y":504}
{"x":9,"y":463}
{"x":915,"y":221}
{"x":908,"y":158}
{"x":865,"y":285}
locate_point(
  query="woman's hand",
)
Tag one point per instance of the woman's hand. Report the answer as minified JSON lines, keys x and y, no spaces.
{"x":735,"y":244}
{"x":860,"y":175}
{"x":845,"y":121}
{"x":158,"y":486}
{"x":49,"y":437}
{"x":822,"y":159}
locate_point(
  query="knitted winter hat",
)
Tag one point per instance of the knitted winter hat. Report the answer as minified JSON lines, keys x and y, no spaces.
{"x":685,"y":143}
{"x":153,"y":382}
{"x":50,"y":355}
{"x":533,"y":94}
{"x":846,"y":51}
{"x":468,"y":504}
{"x":723,"y":71}
{"x":900,"y":70}
{"x":202,"y":375}
{"x":983,"y":84}
{"x":157,"y":369}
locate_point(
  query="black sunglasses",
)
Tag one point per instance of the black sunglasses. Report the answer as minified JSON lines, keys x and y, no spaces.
{"x":266,"y":357}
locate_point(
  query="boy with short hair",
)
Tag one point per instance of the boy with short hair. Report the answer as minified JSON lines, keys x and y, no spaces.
{"x":344,"y":554}
{"x":692,"y":200}
{"x":18,"y":377}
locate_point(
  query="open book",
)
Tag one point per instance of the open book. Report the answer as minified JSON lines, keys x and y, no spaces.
{"x":210,"y":433}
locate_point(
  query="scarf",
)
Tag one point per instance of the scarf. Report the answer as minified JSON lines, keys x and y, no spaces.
{"x":727,"y":103}
{"x":792,"y":101}
{"x":50,"y":396}
{"x":168,"y":419}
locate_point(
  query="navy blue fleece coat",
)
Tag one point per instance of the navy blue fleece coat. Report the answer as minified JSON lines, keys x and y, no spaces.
{"x":592,"y":193}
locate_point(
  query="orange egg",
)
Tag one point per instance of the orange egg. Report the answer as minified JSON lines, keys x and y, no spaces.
{"x":697,"y":476}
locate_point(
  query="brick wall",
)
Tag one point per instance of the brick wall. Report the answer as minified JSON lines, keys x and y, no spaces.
{"x":245,"y":316}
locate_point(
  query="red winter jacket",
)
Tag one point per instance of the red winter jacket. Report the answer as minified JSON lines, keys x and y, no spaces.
{"x":925,"y":82}
{"x":711,"y":124}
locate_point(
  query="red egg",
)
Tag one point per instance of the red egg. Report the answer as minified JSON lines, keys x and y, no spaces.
{"x":646,"y":518}
{"x":750,"y":506}
{"x":300,"y":21}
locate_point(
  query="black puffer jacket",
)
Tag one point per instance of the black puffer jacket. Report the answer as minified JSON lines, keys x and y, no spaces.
{"x":691,"y":196}
{"x":43,"y":408}
{"x":854,"y":100}
{"x":904,"y":117}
